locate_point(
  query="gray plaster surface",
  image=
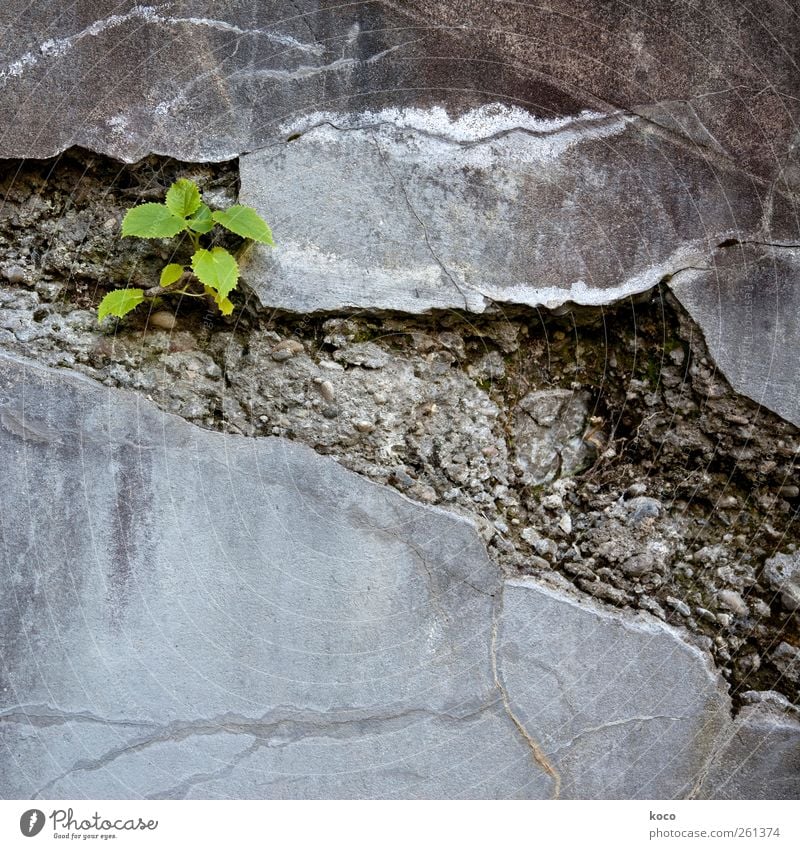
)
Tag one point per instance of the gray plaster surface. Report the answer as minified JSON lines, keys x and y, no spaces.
{"x":175,"y":601}
{"x":760,"y":758}
{"x":200,"y":80}
{"x":624,"y":707}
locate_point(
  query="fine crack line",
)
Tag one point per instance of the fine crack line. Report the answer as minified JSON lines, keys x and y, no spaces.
{"x":582,"y":121}
{"x":180,"y":790}
{"x":722,"y":741}
{"x":735,"y":243}
{"x":265,"y":729}
{"x":56,"y":47}
{"x":45,"y":716}
{"x":413,"y":211}
{"x":306,"y":71}
{"x":539,"y":756}
{"x":616,"y":724}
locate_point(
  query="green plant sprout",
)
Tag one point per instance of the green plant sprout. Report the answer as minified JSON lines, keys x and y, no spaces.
{"x":213,"y":268}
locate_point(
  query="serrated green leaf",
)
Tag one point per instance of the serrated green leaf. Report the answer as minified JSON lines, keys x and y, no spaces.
{"x":152,"y":221}
{"x":119,"y":302}
{"x":183,"y":198}
{"x":171,"y":273}
{"x":216,"y":268}
{"x":225,"y":306}
{"x":202,"y":222}
{"x":245,"y":222}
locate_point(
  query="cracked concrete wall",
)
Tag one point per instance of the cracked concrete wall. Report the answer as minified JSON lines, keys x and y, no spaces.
{"x":385,"y":654}
{"x":618,"y":145}
{"x":721,"y":77}
{"x":190,"y":614}
{"x":415,"y":211}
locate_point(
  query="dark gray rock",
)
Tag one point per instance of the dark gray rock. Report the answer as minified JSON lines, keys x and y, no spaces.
{"x":747,"y":303}
{"x":760,"y":756}
{"x":663,"y":62}
{"x":108,"y":75}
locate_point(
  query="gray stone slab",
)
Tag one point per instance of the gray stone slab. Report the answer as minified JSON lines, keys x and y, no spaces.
{"x":747,"y":304}
{"x":414,"y":210}
{"x":214,"y":606}
{"x":198,"y":80}
{"x":760,"y":757}
{"x":620,"y":705}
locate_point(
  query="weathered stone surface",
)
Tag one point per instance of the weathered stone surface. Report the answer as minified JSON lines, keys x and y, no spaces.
{"x":106,"y":75}
{"x":760,"y":757}
{"x":189,"y":613}
{"x":782,"y":573}
{"x":548,"y":428}
{"x":747,"y":303}
{"x":414,"y":210}
{"x":566,"y":665}
{"x":628,"y":149}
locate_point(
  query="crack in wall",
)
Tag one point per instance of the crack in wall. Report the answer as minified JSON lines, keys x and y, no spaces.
{"x":181,"y":790}
{"x":539,"y":757}
{"x":44,"y":716}
{"x":587,"y":732}
{"x":276,"y":728}
{"x":57,"y":47}
{"x":592,"y":125}
{"x":413,"y":211}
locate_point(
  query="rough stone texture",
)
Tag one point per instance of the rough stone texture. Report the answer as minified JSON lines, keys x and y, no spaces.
{"x":747,"y":302}
{"x":629,"y":149}
{"x":444,"y":408}
{"x":760,"y":757}
{"x":189,"y":614}
{"x":549,"y":426}
{"x":104,"y":74}
{"x":782,"y":573}
{"x":566,"y":665}
{"x":415,"y":211}
{"x":185,"y":614}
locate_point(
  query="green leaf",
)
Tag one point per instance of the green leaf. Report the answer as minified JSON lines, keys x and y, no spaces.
{"x":216,"y":268}
{"x":183,"y":198}
{"x":152,"y":221}
{"x":119,"y":302}
{"x":225,"y":306}
{"x":202,"y":221}
{"x":171,"y":273}
{"x":245,"y":222}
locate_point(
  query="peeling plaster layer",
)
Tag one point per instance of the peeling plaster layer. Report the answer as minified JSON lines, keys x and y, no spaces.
{"x":103,"y":76}
{"x":566,"y":662}
{"x":338,"y":641}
